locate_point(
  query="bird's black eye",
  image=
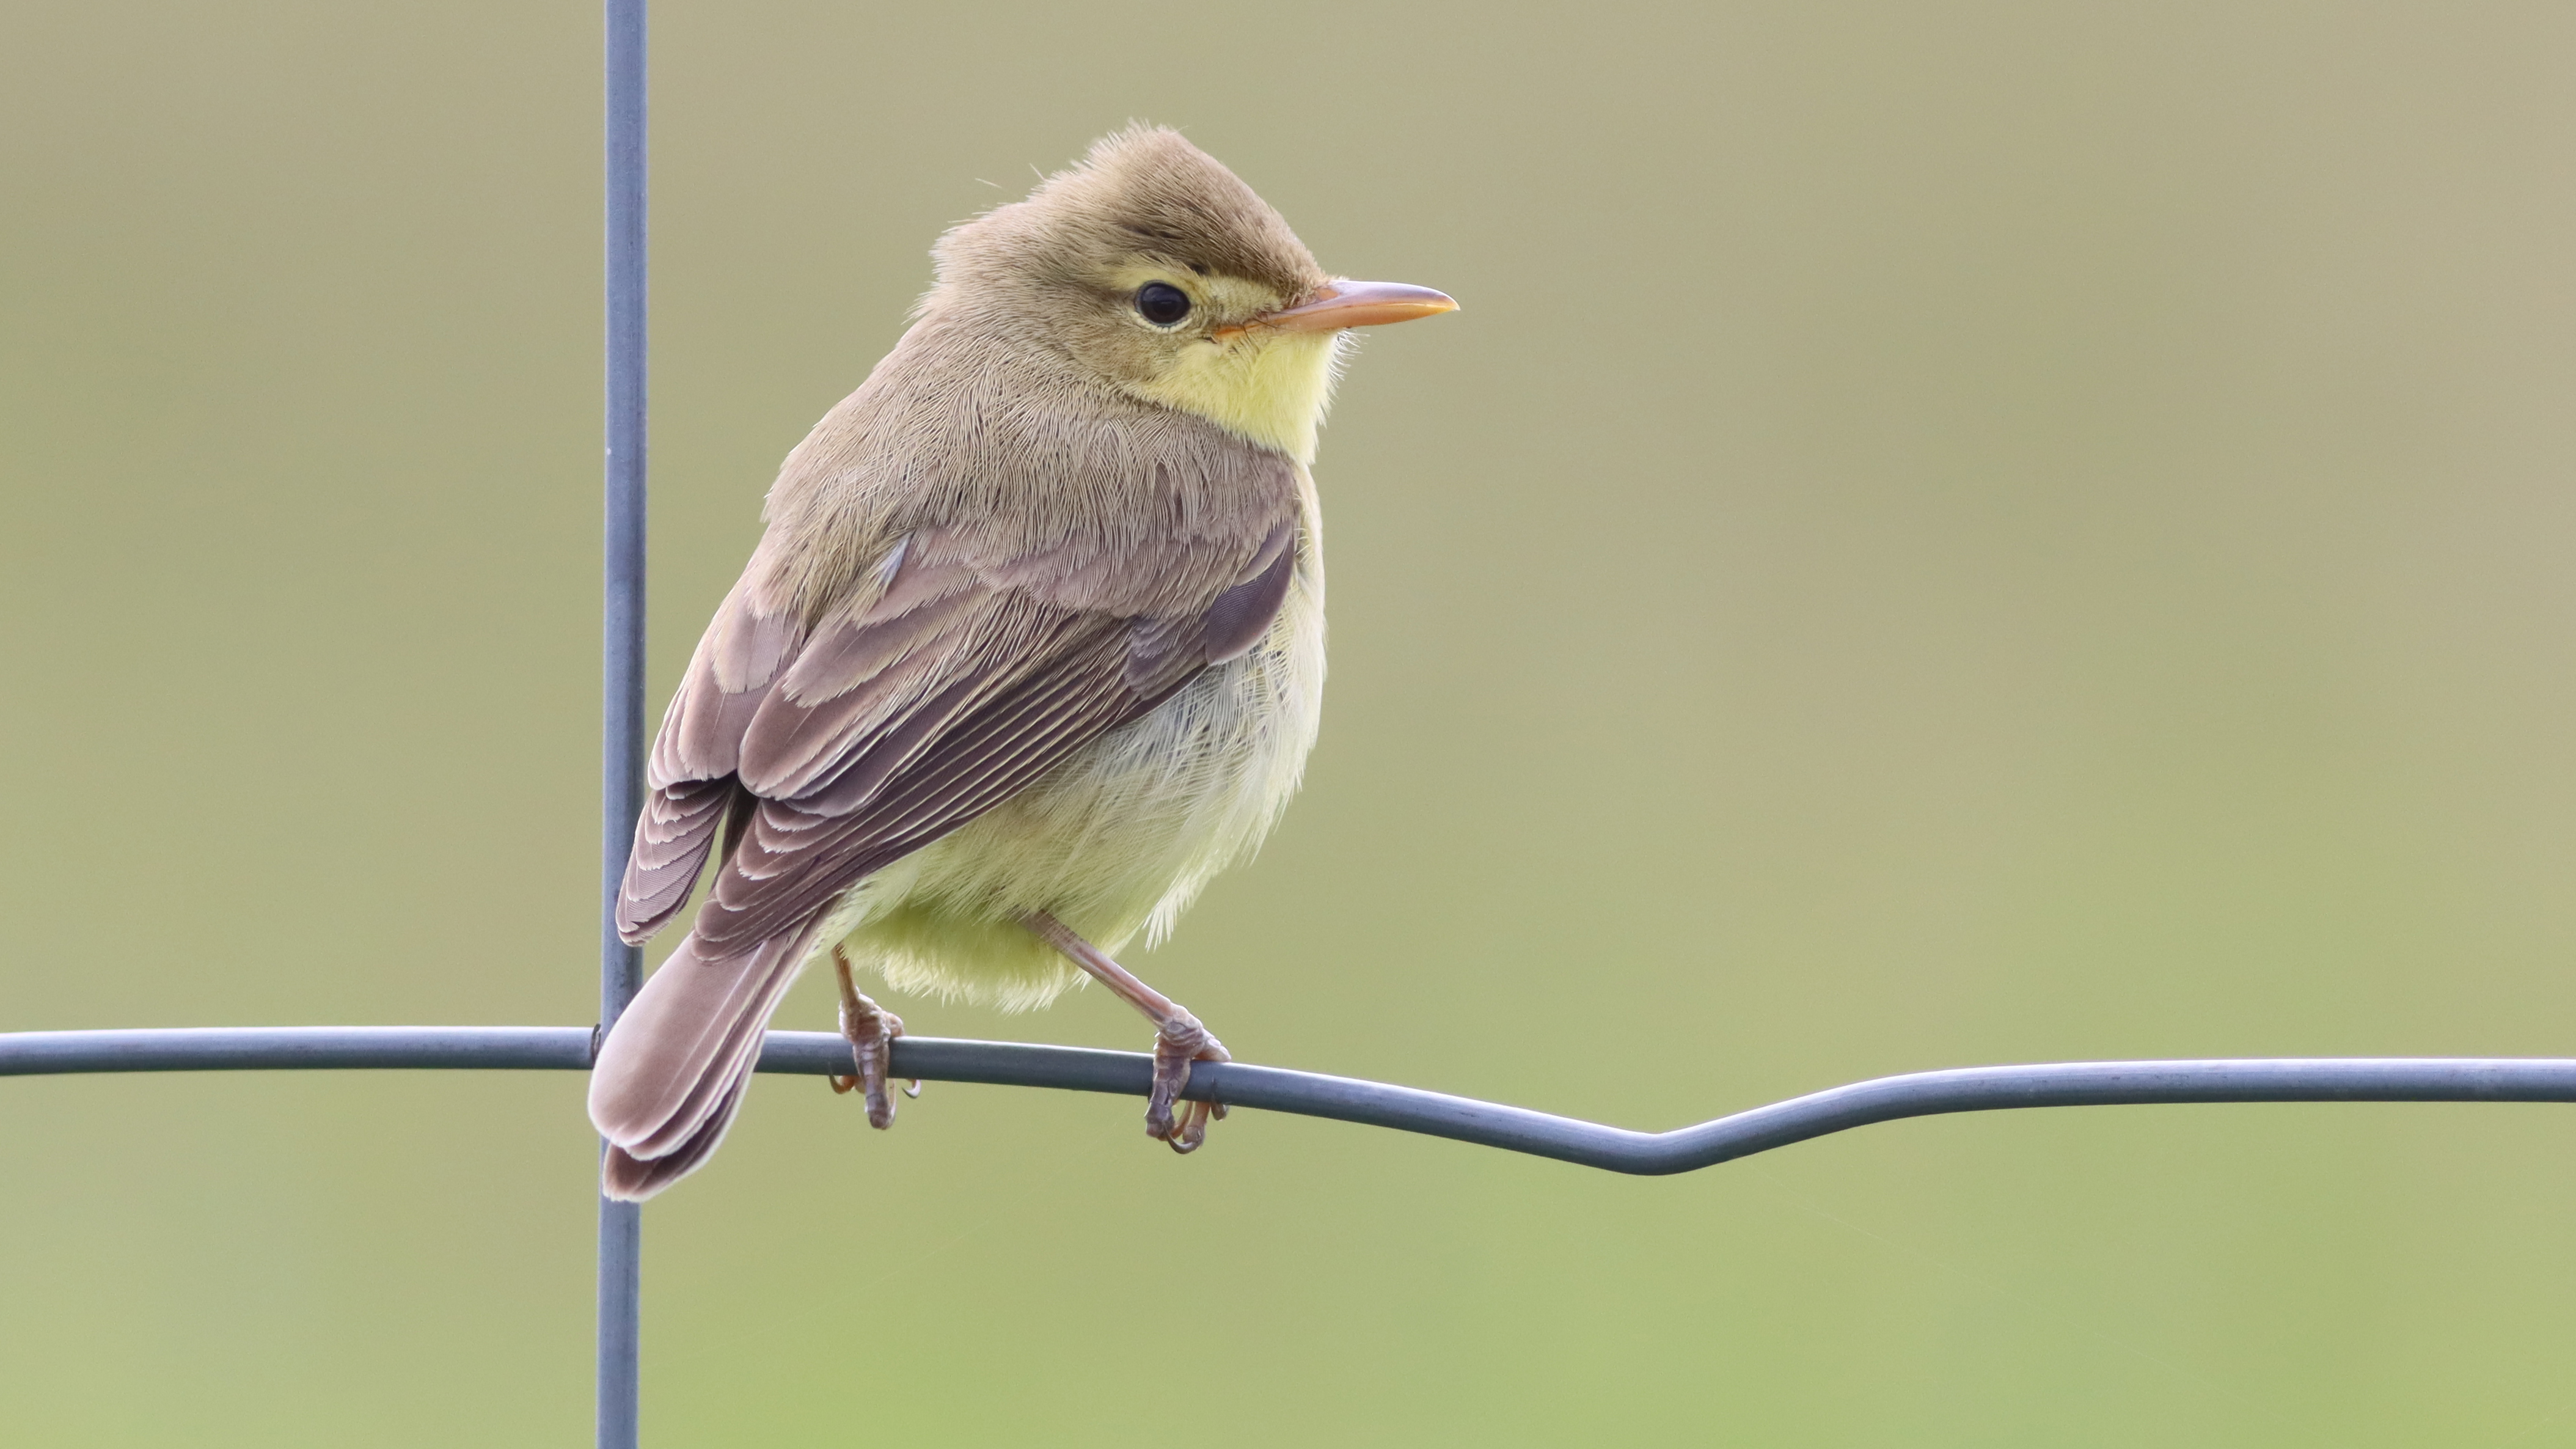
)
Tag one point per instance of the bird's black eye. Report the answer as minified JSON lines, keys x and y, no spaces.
{"x":1161,"y":303}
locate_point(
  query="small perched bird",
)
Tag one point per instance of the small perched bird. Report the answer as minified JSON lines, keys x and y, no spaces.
{"x":1032,"y":648}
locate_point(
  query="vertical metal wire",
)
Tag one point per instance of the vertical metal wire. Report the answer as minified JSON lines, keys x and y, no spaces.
{"x":621,"y":967}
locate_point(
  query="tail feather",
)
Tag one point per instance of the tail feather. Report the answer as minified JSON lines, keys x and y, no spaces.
{"x":628,"y":1178}
{"x":671,"y":1074}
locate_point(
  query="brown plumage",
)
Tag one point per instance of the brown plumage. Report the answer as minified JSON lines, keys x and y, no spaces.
{"x":1051,"y":556}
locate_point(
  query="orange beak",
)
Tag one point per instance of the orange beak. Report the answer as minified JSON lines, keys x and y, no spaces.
{"x":1352,"y":304}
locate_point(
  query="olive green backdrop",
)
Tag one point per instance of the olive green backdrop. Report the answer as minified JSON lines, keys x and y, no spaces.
{"x":1943,"y":534}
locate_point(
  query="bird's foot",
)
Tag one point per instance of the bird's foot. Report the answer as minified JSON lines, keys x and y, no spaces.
{"x":1179,"y":1040}
{"x":871,"y":1030}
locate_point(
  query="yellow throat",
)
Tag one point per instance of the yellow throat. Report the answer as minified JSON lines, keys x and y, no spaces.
{"x":1272,"y":388}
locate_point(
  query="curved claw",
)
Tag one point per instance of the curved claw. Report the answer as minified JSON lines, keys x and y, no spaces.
{"x":1178,"y":1042}
{"x":1191,"y":1129}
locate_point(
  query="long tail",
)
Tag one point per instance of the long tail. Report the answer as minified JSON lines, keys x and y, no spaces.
{"x":672,"y":1072}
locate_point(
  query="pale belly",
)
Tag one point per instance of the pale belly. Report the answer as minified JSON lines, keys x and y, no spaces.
{"x":1115,"y":842}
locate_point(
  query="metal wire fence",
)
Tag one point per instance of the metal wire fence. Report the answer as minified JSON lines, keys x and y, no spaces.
{"x":1239,"y":1084}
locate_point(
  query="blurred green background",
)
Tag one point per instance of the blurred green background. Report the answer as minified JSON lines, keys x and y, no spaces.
{"x":1944,"y":534}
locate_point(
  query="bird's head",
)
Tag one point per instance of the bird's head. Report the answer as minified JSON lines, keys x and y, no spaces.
{"x":1154,"y":270}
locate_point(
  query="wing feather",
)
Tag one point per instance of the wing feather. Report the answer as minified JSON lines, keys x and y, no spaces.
{"x":672,"y":842}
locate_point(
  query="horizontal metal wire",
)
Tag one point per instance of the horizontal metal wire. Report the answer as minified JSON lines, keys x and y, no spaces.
{"x":1346,"y":1099}
{"x":294,"y":1048}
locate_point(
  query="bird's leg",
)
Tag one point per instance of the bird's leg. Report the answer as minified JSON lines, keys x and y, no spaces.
{"x":871,"y":1030}
{"x":1179,"y":1039}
